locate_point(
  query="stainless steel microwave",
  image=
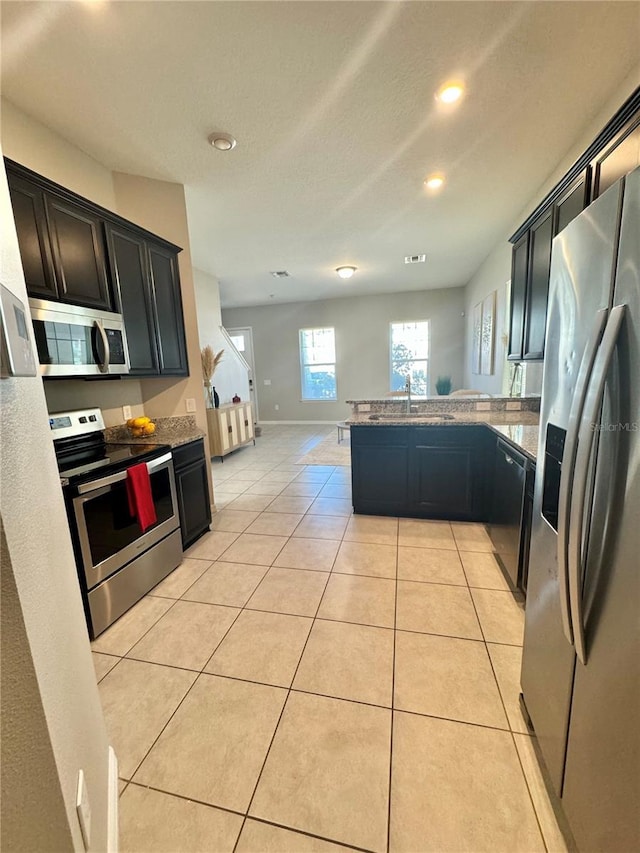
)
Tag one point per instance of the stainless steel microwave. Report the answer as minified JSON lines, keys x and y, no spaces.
{"x":76,"y":341}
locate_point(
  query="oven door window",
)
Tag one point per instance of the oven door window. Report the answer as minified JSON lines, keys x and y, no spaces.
{"x":109,"y":525}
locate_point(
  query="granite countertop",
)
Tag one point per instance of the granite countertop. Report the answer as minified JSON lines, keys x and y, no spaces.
{"x":172,"y":431}
{"x":520,"y":428}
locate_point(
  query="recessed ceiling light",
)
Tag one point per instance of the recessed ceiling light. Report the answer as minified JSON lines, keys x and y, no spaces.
{"x":346,"y":272}
{"x":450,"y":93}
{"x":222,"y":141}
{"x":434,"y":182}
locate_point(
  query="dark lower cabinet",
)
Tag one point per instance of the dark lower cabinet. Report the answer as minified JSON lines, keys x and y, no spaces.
{"x":380,"y":470}
{"x":190,"y":467}
{"x":420,"y":472}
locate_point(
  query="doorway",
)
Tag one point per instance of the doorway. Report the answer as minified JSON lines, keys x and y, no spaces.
{"x":242,"y":340}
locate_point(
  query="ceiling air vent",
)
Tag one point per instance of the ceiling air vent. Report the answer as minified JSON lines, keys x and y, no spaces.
{"x":415,"y":259}
{"x":280,"y":274}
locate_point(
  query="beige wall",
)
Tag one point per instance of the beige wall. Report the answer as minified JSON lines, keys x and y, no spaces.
{"x":496,"y":270}
{"x":362,"y":346}
{"x":231,"y":375}
{"x":52,"y":722}
{"x":31,"y":143}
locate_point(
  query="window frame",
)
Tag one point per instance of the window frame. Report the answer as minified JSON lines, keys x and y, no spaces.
{"x":393,"y":323}
{"x":304,"y":364}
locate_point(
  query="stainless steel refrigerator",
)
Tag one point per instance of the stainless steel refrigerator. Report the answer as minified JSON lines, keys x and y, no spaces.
{"x":581,"y":658}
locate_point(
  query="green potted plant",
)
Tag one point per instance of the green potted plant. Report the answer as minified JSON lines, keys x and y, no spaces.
{"x":443,"y":385}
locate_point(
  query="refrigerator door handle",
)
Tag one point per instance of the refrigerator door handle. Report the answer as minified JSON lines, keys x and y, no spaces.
{"x":586,"y":437}
{"x":568,"y":469}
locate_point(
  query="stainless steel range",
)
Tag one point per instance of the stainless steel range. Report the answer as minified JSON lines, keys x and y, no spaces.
{"x":118,"y":561}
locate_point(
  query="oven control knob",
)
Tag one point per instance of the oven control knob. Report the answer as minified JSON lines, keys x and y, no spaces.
{"x":82,"y":420}
{"x":92,"y":418}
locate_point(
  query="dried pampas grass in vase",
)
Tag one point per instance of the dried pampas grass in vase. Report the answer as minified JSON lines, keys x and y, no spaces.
{"x":210,"y":361}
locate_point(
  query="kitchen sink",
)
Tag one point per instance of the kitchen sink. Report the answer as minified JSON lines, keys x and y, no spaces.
{"x":406,"y":416}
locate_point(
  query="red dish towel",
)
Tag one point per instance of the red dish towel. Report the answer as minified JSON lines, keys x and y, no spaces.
{"x":139,"y":494}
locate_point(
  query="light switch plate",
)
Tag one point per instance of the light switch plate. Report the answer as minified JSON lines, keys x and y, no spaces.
{"x":364,"y":407}
{"x":514,"y":406}
{"x":126,"y":412}
{"x":267,"y":382}
{"x":83,"y":810}
{"x":190,"y":404}
{"x":483,"y":407}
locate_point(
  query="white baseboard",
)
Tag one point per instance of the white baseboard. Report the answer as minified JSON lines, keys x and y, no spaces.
{"x":112,"y":805}
{"x":299,"y":423}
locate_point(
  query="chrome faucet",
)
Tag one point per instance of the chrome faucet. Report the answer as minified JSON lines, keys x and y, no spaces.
{"x":407,"y":388}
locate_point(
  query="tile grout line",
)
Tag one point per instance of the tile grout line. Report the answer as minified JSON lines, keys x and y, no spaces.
{"x":504,"y":709}
{"x":393,"y":686}
{"x":284,"y":705}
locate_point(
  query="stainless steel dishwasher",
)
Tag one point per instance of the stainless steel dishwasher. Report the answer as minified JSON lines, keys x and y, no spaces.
{"x":506,"y":510}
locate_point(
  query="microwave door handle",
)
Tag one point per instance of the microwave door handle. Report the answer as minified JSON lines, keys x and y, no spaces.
{"x":567,"y":471}
{"x":103,"y":366}
{"x":586,"y":439}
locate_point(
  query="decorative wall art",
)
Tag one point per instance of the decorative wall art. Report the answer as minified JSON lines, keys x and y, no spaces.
{"x":486,"y":344}
{"x":477,"y":338}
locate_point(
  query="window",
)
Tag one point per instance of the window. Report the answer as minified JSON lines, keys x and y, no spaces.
{"x":238,"y":342}
{"x":410,"y":356}
{"x":318,"y":364}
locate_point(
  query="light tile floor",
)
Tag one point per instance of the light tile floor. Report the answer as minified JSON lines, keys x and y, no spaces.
{"x":310,"y":681}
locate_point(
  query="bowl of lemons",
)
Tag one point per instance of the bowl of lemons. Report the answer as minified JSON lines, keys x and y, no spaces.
{"x":141,"y":427}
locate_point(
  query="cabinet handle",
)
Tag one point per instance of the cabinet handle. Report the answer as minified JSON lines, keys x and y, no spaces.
{"x":246,"y":422}
{"x":229,"y":429}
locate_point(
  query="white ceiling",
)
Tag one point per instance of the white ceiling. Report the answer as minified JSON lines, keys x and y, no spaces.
{"x":332,"y":104}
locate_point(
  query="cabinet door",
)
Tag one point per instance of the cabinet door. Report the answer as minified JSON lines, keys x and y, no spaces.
{"x":442,"y":481}
{"x":77,"y":245}
{"x":380,"y":478}
{"x":127,"y":257}
{"x":241,"y":424}
{"x":33,"y":237}
{"x":248,"y":421}
{"x":618,"y":159}
{"x":519,"y":267}
{"x":572,"y":203}
{"x":165,"y":283}
{"x":226,"y":430}
{"x":193,"y":501}
{"x":540,"y":238}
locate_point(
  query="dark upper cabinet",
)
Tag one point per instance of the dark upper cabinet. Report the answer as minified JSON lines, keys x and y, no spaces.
{"x":614,"y":153}
{"x":27,"y":201}
{"x":77,"y":247}
{"x":130,"y":273}
{"x":530,"y":268}
{"x":572,"y":202}
{"x":75,"y":251}
{"x":535,"y":314}
{"x":519,"y":271}
{"x":165,"y":287}
{"x":148,"y":288}
{"x":617,"y":159}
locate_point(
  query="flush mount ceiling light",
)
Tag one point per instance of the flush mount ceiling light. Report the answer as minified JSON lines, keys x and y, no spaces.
{"x":222,"y":141}
{"x":280,"y":274}
{"x":346,"y":272}
{"x":450,"y":93}
{"x":434,"y":182}
{"x":415,"y":259}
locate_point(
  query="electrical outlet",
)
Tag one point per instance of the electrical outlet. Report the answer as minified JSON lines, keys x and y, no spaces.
{"x":364,"y":407}
{"x":277,"y":407}
{"x":83,"y":810}
{"x":126,"y":412}
{"x":190,"y":404}
{"x":267,"y":382}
